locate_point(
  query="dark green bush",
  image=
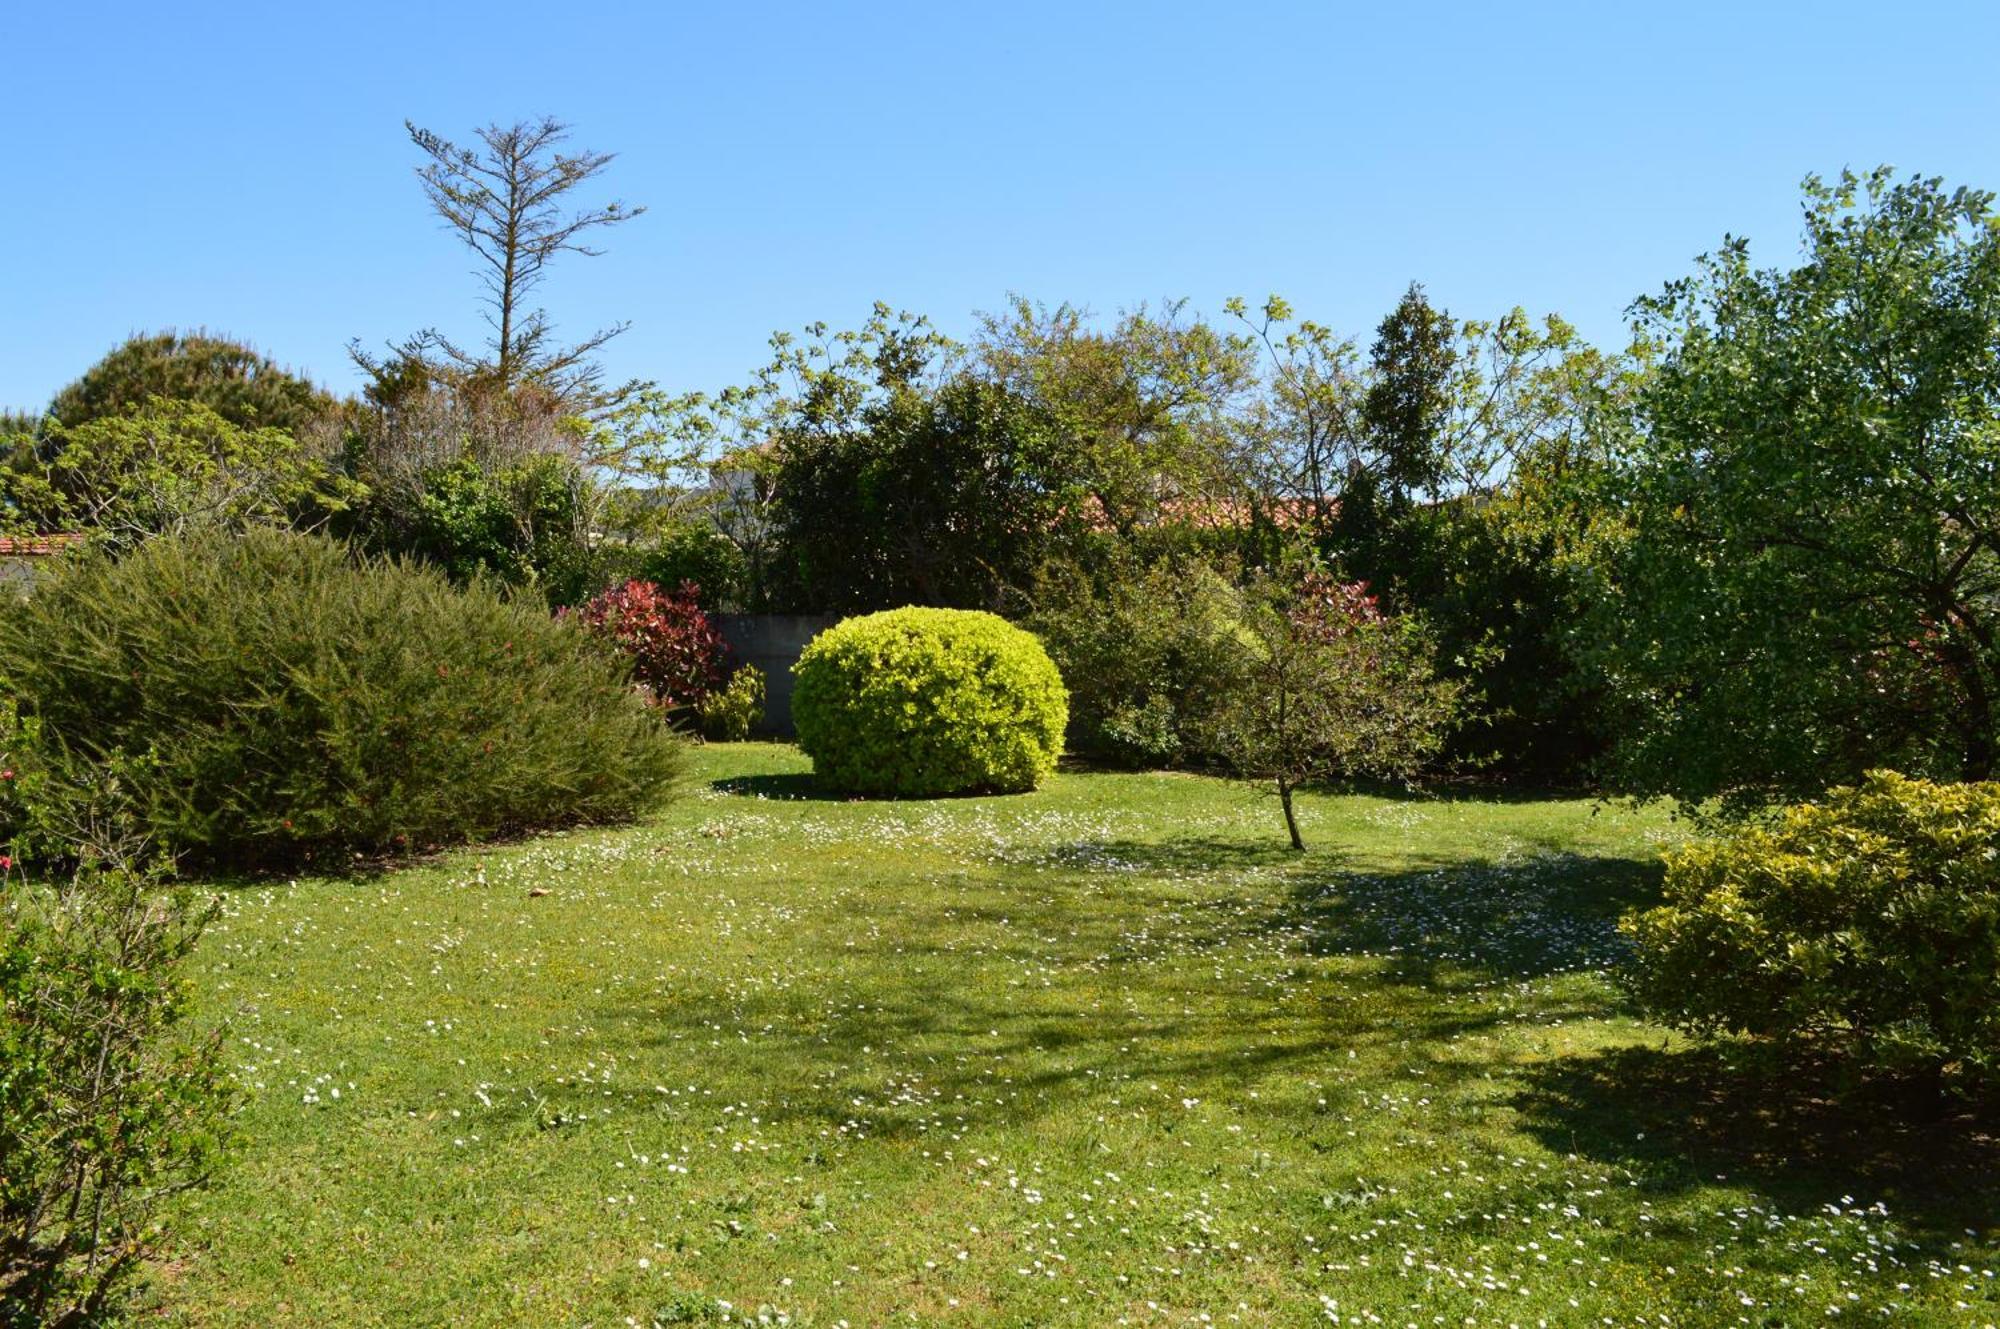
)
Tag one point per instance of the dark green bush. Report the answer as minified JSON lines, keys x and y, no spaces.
{"x":694,"y":551}
{"x":292,"y":702}
{"x":1868,"y":924}
{"x":1148,"y":652}
{"x":926,"y":702}
{"x":229,"y":377}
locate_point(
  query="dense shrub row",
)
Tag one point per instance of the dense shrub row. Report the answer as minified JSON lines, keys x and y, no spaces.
{"x":285,"y":701}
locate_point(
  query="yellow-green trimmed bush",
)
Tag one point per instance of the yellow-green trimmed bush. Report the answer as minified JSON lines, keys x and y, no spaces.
{"x":925,"y":702}
{"x":1868,"y":922}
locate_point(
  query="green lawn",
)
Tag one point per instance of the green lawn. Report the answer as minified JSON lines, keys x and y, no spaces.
{"x":1104,"y":1054}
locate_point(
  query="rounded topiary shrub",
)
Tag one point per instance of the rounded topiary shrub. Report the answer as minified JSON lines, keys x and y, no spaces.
{"x":924,"y":702}
{"x":272,"y":698}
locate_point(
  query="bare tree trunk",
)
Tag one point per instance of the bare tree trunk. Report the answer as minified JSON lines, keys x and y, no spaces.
{"x":1291,"y":818}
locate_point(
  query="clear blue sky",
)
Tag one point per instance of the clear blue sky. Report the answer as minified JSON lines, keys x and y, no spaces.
{"x":245,"y":168}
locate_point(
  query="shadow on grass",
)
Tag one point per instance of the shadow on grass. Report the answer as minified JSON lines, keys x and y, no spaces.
{"x":1545,"y":914}
{"x":790,"y":786}
{"x":1182,"y":856}
{"x":799,"y":786}
{"x":1799,"y":1132}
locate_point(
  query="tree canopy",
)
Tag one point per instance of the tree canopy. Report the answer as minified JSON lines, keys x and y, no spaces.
{"x":1797,"y":542}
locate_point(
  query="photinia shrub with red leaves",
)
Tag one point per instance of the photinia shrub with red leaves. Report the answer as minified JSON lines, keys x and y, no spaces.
{"x":677,"y":654}
{"x":1327,"y":609}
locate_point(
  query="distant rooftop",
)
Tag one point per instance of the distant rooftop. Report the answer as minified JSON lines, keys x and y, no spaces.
{"x":36,"y":546}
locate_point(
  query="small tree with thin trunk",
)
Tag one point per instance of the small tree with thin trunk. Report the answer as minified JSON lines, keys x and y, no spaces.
{"x":1329,"y":687}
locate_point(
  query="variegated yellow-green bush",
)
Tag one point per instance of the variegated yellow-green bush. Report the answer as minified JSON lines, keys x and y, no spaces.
{"x":1868,"y":921}
{"x":924,"y":702}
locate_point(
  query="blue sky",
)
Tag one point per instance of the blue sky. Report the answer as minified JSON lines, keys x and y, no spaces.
{"x":245,"y":168}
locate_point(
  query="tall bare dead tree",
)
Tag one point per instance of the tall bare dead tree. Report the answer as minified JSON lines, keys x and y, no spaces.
{"x":507,"y":200}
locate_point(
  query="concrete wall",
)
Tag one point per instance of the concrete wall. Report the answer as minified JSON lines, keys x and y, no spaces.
{"x":18,"y":574}
{"x":772,"y":642}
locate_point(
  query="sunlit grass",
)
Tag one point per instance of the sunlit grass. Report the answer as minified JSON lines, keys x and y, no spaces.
{"x":1104,"y":1054}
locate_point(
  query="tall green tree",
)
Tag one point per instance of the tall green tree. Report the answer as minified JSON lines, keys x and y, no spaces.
{"x":1145,"y":401}
{"x":1406,"y":465}
{"x":168,"y":468}
{"x":231,"y":378}
{"x":945,"y":498}
{"x":1797,"y":548}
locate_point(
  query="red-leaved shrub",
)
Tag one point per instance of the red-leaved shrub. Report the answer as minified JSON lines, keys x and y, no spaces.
{"x":676,"y":652}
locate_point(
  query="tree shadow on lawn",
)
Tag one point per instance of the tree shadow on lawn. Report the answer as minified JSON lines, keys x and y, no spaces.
{"x":1527,"y":918}
{"x":1551,"y":912}
{"x":1798,"y":1131}
{"x":981,"y":1058}
{"x":800,"y":786}
{"x":1138,"y":958}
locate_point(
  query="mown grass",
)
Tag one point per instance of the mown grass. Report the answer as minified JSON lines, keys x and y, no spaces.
{"x":1104,"y":1054}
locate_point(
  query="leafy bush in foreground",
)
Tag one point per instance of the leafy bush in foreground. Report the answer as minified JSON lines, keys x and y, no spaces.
{"x":291,"y":701}
{"x":109,"y":1104}
{"x":924,"y":702}
{"x":1869,"y":922}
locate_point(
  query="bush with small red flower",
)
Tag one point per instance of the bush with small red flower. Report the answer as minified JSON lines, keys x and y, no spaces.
{"x":676,"y":653}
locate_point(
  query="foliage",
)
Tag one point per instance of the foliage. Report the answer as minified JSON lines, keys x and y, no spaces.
{"x":1869,"y":921}
{"x":1148,"y":652}
{"x":229,"y":378}
{"x":1144,"y":405}
{"x":1437,"y":408}
{"x":885,"y":464}
{"x":1487,"y":576}
{"x":169,"y":468}
{"x":110,"y":1104}
{"x":694,"y":551}
{"x":945,"y":497}
{"x":293,"y":702}
{"x":1330,"y":687}
{"x":926,"y":702}
{"x":478,"y":482}
{"x":731,"y":712}
{"x":1795,"y":564}
{"x":676,"y":653}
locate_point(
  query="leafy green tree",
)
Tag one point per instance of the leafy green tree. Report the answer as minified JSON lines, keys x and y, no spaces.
{"x":169,"y":467}
{"x":1800,"y":579}
{"x":1406,"y":466}
{"x":230,"y":378}
{"x":1146,"y":404}
{"x":944,"y":498}
{"x":1329,"y":687}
